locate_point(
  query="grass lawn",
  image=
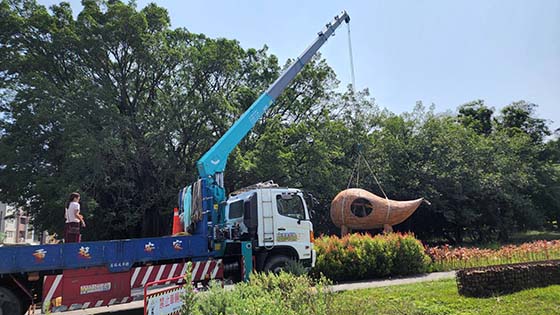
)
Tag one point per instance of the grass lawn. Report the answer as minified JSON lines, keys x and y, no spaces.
{"x":441,"y":297}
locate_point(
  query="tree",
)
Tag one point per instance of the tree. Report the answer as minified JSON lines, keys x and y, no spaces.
{"x":477,"y":116}
{"x":519,"y":117}
{"x":118,"y":106}
{"x":83,"y":111}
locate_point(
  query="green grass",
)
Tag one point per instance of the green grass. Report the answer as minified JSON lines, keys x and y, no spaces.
{"x":441,"y":297}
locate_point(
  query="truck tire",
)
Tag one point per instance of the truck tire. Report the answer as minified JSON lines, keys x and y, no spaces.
{"x":10,"y":303}
{"x":275,"y":264}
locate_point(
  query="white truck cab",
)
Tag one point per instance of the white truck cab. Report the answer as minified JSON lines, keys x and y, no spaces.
{"x":276,"y":220}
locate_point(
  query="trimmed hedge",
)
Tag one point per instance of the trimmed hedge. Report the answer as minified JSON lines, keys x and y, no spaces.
{"x":505,"y":279}
{"x":362,"y":256}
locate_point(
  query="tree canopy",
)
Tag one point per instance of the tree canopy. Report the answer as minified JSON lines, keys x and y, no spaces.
{"x":119,"y":106}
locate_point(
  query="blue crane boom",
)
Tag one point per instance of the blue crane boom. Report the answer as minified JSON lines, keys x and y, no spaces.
{"x":213,"y":162}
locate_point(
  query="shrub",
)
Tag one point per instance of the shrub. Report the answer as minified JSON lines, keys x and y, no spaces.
{"x":266,"y":294}
{"x":409,"y":257}
{"x":296,"y":268}
{"x":361,"y":256}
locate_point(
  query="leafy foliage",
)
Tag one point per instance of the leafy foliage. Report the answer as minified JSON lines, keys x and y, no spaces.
{"x":361,"y":256}
{"x":481,"y":185}
{"x":475,"y":115}
{"x":119,"y":106}
{"x":266,"y":294}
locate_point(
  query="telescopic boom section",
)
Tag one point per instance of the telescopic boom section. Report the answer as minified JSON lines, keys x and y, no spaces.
{"x":213,"y":162}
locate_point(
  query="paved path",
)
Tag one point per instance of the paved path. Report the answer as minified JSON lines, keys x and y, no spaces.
{"x":137,"y":306}
{"x":398,"y":281}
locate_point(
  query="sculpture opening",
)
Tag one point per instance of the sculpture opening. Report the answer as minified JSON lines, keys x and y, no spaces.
{"x":361,"y":207}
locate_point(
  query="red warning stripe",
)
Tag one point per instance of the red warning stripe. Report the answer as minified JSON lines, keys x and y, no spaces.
{"x":201,"y":270}
{"x":139,"y":276}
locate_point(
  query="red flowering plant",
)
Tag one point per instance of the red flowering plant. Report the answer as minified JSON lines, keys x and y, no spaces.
{"x":450,"y":258}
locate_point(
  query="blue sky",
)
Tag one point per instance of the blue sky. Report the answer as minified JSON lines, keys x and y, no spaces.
{"x":441,"y":52}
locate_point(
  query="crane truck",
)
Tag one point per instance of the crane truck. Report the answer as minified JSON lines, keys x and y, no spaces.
{"x":258,"y":228}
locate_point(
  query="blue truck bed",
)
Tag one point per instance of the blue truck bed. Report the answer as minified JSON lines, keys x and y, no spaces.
{"x":116,"y":255}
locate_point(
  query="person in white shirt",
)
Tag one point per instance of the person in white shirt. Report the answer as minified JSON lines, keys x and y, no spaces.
{"x":73,"y":219}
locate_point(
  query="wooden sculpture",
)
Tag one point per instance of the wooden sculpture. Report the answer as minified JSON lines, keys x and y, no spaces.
{"x":357,"y":208}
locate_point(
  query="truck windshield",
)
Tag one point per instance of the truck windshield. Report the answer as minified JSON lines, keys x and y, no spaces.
{"x":292,"y":207}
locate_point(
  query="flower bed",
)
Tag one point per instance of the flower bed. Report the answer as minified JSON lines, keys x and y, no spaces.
{"x":448,"y":258}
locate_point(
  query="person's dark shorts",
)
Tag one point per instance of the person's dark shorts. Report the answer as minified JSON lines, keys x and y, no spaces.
{"x":72,"y":232}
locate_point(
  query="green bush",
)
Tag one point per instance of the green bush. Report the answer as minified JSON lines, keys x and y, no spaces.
{"x":296,"y":268}
{"x":268,"y":294}
{"x":362,"y":256}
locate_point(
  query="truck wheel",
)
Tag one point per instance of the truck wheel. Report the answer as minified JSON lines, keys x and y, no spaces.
{"x":276,"y":264}
{"x":9,"y":303}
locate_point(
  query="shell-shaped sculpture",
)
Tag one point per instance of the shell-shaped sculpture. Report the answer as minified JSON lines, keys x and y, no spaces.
{"x":357,"y":208}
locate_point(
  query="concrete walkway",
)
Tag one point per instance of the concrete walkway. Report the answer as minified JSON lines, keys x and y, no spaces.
{"x":137,"y":306}
{"x":434,"y":276}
